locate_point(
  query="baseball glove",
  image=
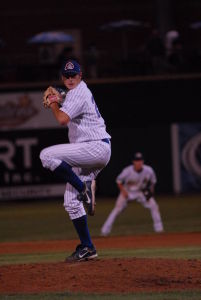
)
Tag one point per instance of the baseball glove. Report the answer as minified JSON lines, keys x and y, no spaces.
{"x":148,"y":190}
{"x":53,"y":94}
{"x":147,"y":193}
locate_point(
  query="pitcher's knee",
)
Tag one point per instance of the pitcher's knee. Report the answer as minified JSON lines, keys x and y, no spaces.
{"x":48,"y":160}
{"x":45,"y":159}
{"x":42,"y":155}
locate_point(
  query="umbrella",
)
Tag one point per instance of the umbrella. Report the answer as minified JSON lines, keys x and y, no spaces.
{"x":122,"y":26}
{"x":195,"y":25}
{"x":50,"y":37}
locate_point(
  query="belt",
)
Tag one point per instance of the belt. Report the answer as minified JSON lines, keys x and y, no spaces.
{"x":106,"y":141}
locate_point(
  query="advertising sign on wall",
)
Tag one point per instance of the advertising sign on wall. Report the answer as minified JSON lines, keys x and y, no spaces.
{"x":186,"y":145}
{"x":25,"y":129}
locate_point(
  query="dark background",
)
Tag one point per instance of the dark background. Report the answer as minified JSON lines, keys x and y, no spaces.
{"x":138,"y":105}
{"x":22,"y":20}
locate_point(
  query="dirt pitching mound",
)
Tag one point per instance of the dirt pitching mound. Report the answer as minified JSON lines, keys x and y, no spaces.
{"x":103,"y":275}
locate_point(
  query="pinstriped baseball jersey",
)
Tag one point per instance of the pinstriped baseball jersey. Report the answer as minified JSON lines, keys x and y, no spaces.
{"x":86,"y":153}
{"x":86,"y":123}
{"x":135,"y":181}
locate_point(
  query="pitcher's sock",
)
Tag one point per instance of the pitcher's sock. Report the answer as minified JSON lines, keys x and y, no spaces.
{"x":64,"y":171}
{"x":82,"y":229}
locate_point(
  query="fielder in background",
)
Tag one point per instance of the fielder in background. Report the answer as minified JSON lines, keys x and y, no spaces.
{"x":135,"y":182}
{"x":79,"y":161}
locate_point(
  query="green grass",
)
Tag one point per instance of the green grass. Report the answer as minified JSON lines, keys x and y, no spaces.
{"x":23,"y":221}
{"x":173,"y":253}
{"x":179,"y":214}
{"x":47,"y":220}
{"x":180,"y":295}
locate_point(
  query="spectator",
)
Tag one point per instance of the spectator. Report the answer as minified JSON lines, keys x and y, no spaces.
{"x":155,"y":51}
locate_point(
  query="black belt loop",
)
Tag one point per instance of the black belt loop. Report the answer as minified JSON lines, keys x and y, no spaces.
{"x":106,"y":141}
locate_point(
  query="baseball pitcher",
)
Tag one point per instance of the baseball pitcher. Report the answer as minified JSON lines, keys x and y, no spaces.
{"x":79,"y":161}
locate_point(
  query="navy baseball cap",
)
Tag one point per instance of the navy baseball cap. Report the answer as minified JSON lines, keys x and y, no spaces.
{"x":138,"y":156}
{"x":70,"y":67}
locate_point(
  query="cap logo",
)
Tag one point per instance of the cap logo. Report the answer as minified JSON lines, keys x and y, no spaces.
{"x":69,"y":66}
{"x":138,"y":156}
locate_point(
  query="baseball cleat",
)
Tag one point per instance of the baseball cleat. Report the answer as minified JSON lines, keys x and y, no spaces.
{"x":160,"y":230}
{"x":158,"y":227}
{"x":88,"y":196}
{"x":82,"y":253}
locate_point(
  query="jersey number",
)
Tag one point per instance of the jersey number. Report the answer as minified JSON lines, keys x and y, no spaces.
{"x":96,"y":107}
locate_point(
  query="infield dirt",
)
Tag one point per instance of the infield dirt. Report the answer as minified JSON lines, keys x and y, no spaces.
{"x":115,"y":275}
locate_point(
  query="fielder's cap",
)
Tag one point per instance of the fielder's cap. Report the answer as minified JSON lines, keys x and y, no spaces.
{"x":138,"y":156}
{"x":70,"y":67}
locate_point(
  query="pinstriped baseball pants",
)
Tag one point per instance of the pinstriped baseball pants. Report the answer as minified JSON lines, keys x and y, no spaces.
{"x":87,"y":160}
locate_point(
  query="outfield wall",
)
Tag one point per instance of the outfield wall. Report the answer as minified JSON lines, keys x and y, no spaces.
{"x":139,"y":115}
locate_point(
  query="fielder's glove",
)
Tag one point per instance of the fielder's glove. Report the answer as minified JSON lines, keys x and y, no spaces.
{"x":53,"y":94}
{"x":147,"y":193}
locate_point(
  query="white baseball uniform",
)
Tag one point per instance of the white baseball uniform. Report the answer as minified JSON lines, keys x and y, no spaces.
{"x":134,"y":182}
{"x":87,"y":153}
